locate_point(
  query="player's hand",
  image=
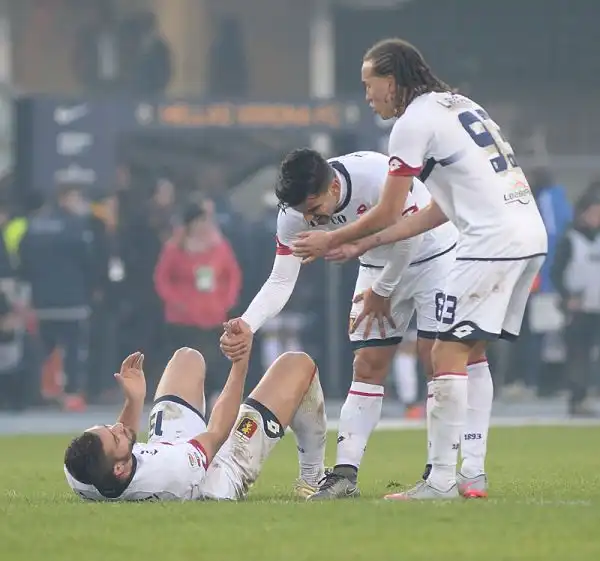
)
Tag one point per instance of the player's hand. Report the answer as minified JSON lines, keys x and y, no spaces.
{"x":131,"y":377}
{"x":236,"y":341}
{"x":311,"y":245}
{"x":375,"y":307}
{"x":344,"y":253}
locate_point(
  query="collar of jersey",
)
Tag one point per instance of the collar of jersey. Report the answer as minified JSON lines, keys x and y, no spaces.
{"x":116,"y":492}
{"x":341,"y":168}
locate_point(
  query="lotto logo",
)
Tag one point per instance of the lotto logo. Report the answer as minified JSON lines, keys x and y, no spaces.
{"x":462,"y":332}
{"x":273,"y":427}
{"x":246,"y":427}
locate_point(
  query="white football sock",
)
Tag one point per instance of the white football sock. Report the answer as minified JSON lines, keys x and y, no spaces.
{"x":428,"y":409}
{"x":479,"y":410}
{"x":448,"y":414}
{"x":310,"y":429}
{"x":406,"y":377}
{"x":359,"y":416}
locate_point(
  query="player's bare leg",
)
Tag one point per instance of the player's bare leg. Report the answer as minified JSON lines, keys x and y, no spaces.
{"x":291,"y":390}
{"x":472,"y":479}
{"x":359,"y":416}
{"x":184,"y":377}
{"x":448,"y":417}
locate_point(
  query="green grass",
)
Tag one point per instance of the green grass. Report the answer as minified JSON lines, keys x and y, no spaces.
{"x":544,"y":505}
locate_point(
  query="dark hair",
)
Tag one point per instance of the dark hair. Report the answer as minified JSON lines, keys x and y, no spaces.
{"x":303,"y":172}
{"x":586,"y":200}
{"x":65,"y":189}
{"x":87,"y":462}
{"x":191,"y":212}
{"x":403,"y":61}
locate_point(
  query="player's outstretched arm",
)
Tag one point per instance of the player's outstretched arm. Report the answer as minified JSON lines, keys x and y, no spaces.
{"x":383,"y":214}
{"x":133,"y":383}
{"x":414,"y":225}
{"x":311,"y":245}
{"x":275,"y":292}
{"x":226,"y":408}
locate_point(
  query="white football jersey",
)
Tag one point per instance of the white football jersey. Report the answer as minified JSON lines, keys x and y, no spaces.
{"x":161,"y":471}
{"x":471,"y":171}
{"x":362,"y":176}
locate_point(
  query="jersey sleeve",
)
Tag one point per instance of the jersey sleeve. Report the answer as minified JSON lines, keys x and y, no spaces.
{"x":173,"y":471}
{"x":278,"y":288}
{"x":401,"y":254}
{"x":289,"y":225}
{"x":276,"y":291}
{"x":408,"y":146}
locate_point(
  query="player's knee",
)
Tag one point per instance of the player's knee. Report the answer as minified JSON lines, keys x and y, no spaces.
{"x":297,"y":362}
{"x":424,"y":350}
{"x":448,"y":356}
{"x":370,"y":367}
{"x":187,"y":359}
{"x":478,"y":354}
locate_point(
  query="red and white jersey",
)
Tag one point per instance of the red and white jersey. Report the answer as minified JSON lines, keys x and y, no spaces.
{"x":472,"y":174}
{"x":161,"y":471}
{"x":362,"y":176}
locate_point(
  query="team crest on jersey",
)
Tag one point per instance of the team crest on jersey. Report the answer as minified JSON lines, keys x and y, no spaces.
{"x":194,"y":461}
{"x":395,"y":164}
{"x":246,"y":428}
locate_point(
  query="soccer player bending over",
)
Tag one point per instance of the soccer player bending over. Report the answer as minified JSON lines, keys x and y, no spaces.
{"x":458,"y":150}
{"x":186,"y":459}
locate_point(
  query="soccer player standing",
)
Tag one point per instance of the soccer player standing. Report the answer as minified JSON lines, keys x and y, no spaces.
{"x":470,"y":169}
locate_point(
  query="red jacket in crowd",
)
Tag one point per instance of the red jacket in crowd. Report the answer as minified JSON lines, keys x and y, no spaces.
{"x":198,"y":289}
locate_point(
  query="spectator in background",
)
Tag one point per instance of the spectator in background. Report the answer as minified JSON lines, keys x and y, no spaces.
{"x":199,"y":280}
{"x":15,"y":368}
{"x":151,"y":61}
{"x":7,"y":270}
{"x":97,"y":56}
{"x":108,"y":274}
{"x":576,"y":274}
{"x":228,"y":68}
{"x":141,"y":241}
{"x":56,"y":262}
{"x":557,"y":213}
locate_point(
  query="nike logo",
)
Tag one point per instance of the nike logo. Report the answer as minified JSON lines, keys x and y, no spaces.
{"x":68,"y":115}
{"x":350,"y":491}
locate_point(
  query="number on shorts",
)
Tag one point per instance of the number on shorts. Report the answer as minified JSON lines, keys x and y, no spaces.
{"x":486,"y":134}
{"x":155,"y":424}
{"x":445,"y":308}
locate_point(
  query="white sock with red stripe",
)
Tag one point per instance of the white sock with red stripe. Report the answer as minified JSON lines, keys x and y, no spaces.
{"x":359,"y":416}
{"x":448,"y":414}
{"x":479,"y":410}
{"x":428,"y":409}
{"x":310,"y":429}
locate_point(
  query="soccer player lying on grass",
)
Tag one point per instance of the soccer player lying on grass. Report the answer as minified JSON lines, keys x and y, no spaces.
{"x":186,"y":459}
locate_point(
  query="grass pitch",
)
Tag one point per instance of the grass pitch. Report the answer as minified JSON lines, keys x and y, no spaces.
{"x":544,"y":505}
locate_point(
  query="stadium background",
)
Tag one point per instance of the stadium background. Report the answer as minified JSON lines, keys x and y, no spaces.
{"x":247,"y":82}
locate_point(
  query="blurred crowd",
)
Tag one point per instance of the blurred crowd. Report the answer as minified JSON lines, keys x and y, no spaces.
{"x":155,"y":266}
